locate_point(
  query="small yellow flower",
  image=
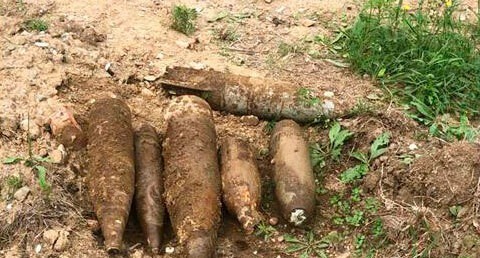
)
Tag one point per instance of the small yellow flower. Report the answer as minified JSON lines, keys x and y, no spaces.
{"x":406,"y":7}
{"x":448,"y":3}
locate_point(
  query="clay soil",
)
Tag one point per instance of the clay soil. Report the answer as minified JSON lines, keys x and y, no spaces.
{"x":427,"y":190}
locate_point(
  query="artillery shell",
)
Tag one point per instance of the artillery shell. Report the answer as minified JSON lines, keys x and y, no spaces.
{"x":111,"y":168}
{"x":245,"y":95}
{"x":293,"y":174}
{"x":192,"y":178}
{"x":240,"y":182}
{"x":149,"y":201}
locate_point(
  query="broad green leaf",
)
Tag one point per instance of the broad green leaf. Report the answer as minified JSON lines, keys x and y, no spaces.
{"x":332,"y":134}
{"x":12,"y":160}
{"x":354,"y":173}
{"x":379,"y":146}
{"x":291,"y":239}
{"x":381,"y":73}
{"x":42,"y":179}
{"x":294,"y":248}
{"x":360,"y":156}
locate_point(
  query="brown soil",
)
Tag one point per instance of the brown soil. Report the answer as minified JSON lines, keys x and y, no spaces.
{"x":133,"y":39}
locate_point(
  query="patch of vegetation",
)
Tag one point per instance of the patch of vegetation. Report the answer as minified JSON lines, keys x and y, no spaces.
{"x":12,"y":184}
{"x":35,"y":25}
{"x":228,"y":34}
{"x":424,"y":54}
{"x":306,"y":97}
{"x":183,"y":19}
{"x":265,"y":231}
{"x":378,"y":148}
{"x":268,"y":129}
{"x":449,"y":130}
{"x":285,"y":49}
{"x":309,"y":245}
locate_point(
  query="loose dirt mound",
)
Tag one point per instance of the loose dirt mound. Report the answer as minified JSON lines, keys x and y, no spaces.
{"x":449,"y":176}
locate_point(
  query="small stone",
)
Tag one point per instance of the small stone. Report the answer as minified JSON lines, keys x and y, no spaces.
{"x":307,"y":22}
{"x":268,"y":1}
{"x":66,"y":129}
{"x":412,"y":147}
{"x":273,"y":221}
{"x":21,"y":194}
{"x":93,"y":225}
{"x":197,"y":65}
{"x":43,"y":152}
{"x":147,"y":92}
{"x":30,"y":126}
{"x":255,"y":252}
{"x":40,"y":98}
{"x":159,"y":56}
{"x":182,"y":44}
{"x":280,"y":239}
{"x":9,"y":206}
{"x":56,"y":157}
{"x":42,"y":44}
{"x":50,"y":236}
{"x":150,"y":78}
{"x":38,"y":248}
{"x":328,"y":94}
{"x":328,"y":107}
{"x":250,"y":120}
{"x":169,"y":250}
{"x":8,"y":125}
{"x":62,"y":241}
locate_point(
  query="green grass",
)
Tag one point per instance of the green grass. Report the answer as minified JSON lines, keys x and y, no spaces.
{"x":183,"y":19}
{"x":425,"y":55}
{"x":36,"y":25}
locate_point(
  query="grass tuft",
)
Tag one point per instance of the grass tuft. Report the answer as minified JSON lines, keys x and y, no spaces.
{"x":36,"y":25}
{"x":423,"y":53}
{"x":183,"y":19}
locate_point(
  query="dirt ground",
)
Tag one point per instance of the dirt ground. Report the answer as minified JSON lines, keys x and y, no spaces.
{"x":95,"y":49}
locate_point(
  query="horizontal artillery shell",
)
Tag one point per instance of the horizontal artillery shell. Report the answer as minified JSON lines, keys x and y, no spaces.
{"x":192,"y":178}
{"x":111,"y":168}
{"x":149,"y":201}
{"x":293,"y":174}
{"x":245,"y":95}
{"x":240,"y":182}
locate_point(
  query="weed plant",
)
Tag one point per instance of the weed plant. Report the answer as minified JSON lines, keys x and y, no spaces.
{"x":183,"y":19}
{"x":424,"y":53}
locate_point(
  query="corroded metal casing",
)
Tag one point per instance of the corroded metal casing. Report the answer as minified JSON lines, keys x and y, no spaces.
{"x":243,"y":95}
{"x":111,"y":176}
{"x":149,"y":201}
{"x":192,"y":178}
{"x":241,"y":184}
{"x":293,"y":174}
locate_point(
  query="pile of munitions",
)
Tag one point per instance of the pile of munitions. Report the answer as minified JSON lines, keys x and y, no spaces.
{"x":184,"y":176}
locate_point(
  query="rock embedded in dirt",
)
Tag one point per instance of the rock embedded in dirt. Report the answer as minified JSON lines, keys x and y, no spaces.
{"x":243,"y":95}
{"x":292,"y":172}
{"x":8,"y":125}
{"x":192,"y":177}
{"x":149,"y":190}
{"x":59,"y":155}
{"x":66,"y":129}
{"x":241,"y":184}
{"x":250,"y":120}
{"x":111,"y":177}
{"x":62,"y":241}
{"x":31,"y":128}
{"x":21,"y":194}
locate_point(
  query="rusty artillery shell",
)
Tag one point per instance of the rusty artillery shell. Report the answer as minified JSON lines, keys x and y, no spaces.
{"x":149,"y":201}
{"x":245,"y":95}
{"x":240,"y":182}
{"x":192,"y":178}
{"x":111,"y":168}
{"x":293,"y":174}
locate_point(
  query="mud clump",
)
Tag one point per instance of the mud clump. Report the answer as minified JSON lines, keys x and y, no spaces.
{"x":111,"y":177}
{"x":66,"y":129}
{"x":241,"y":185}
{"x":149,"y":201}
{"x":293,"y":174}
{"x":192,"y":178}
{"x":446,"y":177}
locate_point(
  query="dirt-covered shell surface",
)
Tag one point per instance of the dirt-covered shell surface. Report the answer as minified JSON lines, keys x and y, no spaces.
{"x":192,"y":177}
